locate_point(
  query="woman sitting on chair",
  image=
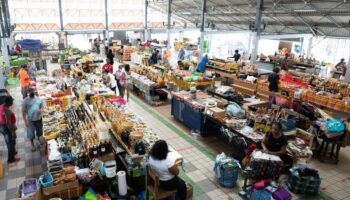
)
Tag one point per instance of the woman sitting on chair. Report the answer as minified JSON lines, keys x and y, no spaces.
{"x":163,"y":164}
{"x":275,"y":143}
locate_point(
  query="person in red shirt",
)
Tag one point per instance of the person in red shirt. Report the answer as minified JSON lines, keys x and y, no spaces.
{"x":8,"y":128}
{"x":108,"y":66}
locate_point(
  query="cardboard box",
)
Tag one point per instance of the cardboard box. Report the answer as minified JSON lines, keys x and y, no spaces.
{"x":217,"y":112}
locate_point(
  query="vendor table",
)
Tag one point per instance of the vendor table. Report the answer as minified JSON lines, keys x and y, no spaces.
{"x":192,"y":117}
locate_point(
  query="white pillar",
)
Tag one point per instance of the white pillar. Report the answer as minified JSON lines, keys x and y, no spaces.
{"x":249,"y":50}
{"x":6,"y":58}
{"x":309,"y":47}
{"x":255,"y":46}
{"x":169,"y":24}
{"x":5,"y":54}
{"x":201,"y":42}
{"x":347,"y":75}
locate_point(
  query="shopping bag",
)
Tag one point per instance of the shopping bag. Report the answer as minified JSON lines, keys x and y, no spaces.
{"x":303,"y":180}
{"x":281,"y":194}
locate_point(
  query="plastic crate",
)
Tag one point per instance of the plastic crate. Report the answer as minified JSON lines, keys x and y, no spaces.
{"x":46,"y":180}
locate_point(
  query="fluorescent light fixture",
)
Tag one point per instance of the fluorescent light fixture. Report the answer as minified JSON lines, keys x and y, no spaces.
{"x":186,"y":13}
{"x":313,"y":10}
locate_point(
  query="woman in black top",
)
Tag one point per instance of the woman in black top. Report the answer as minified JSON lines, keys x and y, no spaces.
{"x":273,"y":80}
{"x":110,"y":56}
{"x":275,"y":143}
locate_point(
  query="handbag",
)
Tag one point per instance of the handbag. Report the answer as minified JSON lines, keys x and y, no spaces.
{"x":281,"y":194}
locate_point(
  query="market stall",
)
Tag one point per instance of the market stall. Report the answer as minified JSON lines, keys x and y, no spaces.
{"x":148,"y":82}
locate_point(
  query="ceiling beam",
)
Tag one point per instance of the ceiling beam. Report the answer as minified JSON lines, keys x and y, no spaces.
{"x":272,"y":23}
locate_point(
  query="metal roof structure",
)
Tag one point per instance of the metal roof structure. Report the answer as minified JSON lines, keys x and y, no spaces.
{"x":318,"y":17}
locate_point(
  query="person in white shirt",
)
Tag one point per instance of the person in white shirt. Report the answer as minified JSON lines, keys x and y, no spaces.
{"x":163,"y":164}
{"x":110,"y":81}
{"x":120,"y":78}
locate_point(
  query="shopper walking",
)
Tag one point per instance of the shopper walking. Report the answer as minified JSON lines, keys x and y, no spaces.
{"x":273,"y":80}
{"x":110,"y":56}
{"x":24,"y":80}
{"x":181,"y":55}
{"x":31,"y":111}
{"x":8,"y":128}
{"x":120,"y":54}
{"x":164,"y":165}
{"x":32,"y":70}
{"x":202,"y":64}
{"x":127,"y":81}
{"x":120,"y":78}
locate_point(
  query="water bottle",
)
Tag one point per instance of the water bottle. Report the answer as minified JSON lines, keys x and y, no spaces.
{"x":129,"y":162}
{"x":144,"y":165}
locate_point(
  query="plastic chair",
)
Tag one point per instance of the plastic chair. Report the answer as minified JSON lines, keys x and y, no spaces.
{"x":155,"y":190}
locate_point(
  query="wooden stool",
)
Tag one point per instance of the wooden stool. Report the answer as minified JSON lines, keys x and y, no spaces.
{"x":323,"y":153}
{"x":155,"y":190}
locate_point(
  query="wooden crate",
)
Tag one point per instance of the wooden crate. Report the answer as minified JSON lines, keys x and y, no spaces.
{"x":60,"y":188}
{"x":244,"y":87}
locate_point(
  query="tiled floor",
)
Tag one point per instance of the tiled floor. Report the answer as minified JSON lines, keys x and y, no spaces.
{"x":31,"y":165}
{"x":199,"y":154}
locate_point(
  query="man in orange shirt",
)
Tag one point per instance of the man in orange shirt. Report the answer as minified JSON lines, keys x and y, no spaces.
{"x":24,"y":80}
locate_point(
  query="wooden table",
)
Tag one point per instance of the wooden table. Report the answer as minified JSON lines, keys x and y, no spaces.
{"x":222,"y":73}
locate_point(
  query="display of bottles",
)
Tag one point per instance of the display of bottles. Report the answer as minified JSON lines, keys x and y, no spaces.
{"x":83,"y":161}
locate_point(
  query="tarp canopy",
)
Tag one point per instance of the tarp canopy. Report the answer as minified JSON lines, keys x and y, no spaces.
{"x":31,"y":45}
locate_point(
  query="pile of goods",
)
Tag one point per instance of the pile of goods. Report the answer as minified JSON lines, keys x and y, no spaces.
{"x":222,"y":64}
{"x":149,"y":75}
{"x":250,"y":69}
{"x":129,"y":129}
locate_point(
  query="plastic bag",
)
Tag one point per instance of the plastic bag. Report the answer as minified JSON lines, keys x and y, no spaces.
{"x":234,"y":110}
{"x":335,"y":126}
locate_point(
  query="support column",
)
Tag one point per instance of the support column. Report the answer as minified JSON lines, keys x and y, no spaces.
{"x":5,"y":54}
{"x":106,"y":15}
{"x":347,"y":75}
{"x":259,"y":7}
{"x":61,"y":15}
{"x":204,"y":10}
{"x":169,"y":25}
{"x":249,"y":50}
{"x":145,"y":35}
{"x":309,"y":47}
